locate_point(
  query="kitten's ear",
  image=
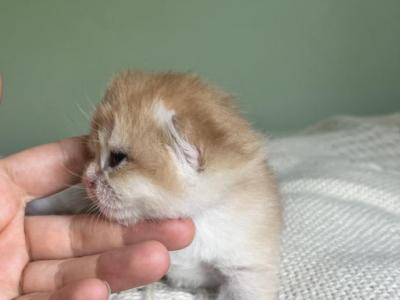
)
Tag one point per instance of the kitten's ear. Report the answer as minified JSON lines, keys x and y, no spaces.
{"x":186,"y":152}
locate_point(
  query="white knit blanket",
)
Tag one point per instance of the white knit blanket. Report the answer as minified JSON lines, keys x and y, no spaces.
{"x":340,"y":182}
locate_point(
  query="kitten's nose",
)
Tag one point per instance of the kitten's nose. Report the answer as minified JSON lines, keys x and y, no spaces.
{"x":90,"y":182}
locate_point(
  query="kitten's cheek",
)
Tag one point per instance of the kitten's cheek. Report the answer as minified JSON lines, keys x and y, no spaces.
{"x":92,"y":194}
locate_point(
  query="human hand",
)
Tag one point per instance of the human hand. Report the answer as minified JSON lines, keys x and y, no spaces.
{"x":72,"y":257}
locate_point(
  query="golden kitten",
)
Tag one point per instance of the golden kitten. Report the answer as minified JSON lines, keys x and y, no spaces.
{"x":168,"y":145}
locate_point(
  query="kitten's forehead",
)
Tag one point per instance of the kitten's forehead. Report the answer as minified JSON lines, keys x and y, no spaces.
{"x":119,"y":137}
{"x":122,"y":122}
{"x":137,"y":107}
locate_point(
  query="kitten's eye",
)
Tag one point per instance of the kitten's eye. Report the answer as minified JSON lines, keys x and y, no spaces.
{"x":116,"y":158}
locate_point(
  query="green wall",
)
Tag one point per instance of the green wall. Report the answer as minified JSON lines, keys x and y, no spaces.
{"x":290,"y":63}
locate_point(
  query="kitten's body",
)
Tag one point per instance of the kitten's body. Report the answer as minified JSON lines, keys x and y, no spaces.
{"x":167,"y":146}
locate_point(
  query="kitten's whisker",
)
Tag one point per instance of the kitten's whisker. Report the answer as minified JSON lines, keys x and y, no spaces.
{"x":90,"y":102}
{"x":73,"y":173}
{"x":84,"y":113}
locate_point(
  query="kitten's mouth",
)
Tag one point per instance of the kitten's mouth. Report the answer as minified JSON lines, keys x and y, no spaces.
{"x":103,"y":196}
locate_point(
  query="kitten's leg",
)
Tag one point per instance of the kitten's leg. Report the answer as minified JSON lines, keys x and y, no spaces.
{"x":249,"y":285}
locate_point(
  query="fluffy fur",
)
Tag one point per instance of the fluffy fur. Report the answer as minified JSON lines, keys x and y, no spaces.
{"x":168,"y":145}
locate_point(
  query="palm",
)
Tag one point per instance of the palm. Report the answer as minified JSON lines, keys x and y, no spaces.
{"x":13,"y":247}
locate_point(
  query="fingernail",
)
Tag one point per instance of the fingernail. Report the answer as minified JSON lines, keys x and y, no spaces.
{"x":108,"y":287}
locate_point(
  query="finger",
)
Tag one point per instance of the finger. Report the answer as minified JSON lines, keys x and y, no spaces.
{"x":56,"y":237}
{"x":123,"y":268}
{"x":88,"y":289}
{"x":46,"y":169}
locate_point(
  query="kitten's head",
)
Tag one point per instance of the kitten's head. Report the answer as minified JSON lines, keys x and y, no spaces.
{"x":151,"y":137}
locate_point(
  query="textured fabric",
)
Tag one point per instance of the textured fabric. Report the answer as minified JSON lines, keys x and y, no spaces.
{"x":340,"y":182}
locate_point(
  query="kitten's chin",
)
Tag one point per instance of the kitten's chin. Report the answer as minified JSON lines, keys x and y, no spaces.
{"x":120,"y":217}
{"x":129,"y":215}
{"x":126,"y":216}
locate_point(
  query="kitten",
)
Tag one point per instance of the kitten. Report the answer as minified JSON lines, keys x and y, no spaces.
{"x":168,"y":145}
